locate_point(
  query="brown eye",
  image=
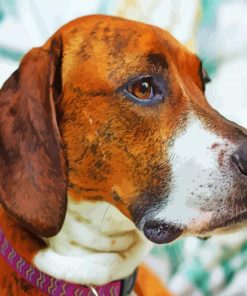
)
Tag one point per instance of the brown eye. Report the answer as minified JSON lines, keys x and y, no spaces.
{"x":142,"y":89}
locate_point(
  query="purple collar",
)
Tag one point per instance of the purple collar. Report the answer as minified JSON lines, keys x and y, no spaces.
{"x":55,"y":287}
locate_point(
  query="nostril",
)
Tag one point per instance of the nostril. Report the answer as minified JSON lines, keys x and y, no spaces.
{"x":240,"y":158}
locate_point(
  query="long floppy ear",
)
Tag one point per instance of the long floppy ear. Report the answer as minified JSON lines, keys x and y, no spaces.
{"x":33,"y":183}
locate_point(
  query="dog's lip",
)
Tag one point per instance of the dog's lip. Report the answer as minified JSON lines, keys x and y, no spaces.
{"x":221,"y":222}
{"x":199,"y":223}
{"x":161,"y":232}
{"x":216,"y":221}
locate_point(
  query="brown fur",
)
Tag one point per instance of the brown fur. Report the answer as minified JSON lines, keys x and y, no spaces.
{"x":31,"y":157}
{"x":66,"y":93}
{"x":116,"y":146}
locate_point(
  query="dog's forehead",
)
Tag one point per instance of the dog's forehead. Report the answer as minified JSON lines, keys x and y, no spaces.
{"x":103,"y":36}
{"x":103,"y":28}
{"x":111,"y":48}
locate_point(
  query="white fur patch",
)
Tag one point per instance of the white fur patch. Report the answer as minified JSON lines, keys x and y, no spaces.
{"x":196,"y":175}
{"x":97,"y":244}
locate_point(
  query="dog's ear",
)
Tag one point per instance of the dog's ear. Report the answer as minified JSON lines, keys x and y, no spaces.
{"x":33,"y":183}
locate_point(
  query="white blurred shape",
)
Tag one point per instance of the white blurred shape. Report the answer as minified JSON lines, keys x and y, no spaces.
{"x":231,"y":28}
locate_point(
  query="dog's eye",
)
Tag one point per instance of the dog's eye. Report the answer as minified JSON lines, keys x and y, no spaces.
{"x":145,"y":90}
{"x":142,"y":89}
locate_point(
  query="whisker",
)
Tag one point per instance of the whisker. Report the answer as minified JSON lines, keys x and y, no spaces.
{"x":104,"y":216}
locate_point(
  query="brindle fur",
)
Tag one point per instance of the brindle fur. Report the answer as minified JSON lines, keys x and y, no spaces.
{"x":114,"y":148}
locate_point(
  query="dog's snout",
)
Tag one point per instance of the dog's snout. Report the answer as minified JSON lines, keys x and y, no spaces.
{"x":239,"y":157}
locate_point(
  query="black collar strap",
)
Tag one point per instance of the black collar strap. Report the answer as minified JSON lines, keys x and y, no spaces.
{"x":128,"y":284}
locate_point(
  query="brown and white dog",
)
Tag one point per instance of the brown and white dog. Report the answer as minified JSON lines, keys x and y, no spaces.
{"x":107,"y":143}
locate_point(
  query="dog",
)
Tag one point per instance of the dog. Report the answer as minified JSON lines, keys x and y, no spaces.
{"x":108,"y":145}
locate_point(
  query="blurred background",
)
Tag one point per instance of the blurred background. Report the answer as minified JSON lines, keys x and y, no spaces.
{"x":217,"y":31}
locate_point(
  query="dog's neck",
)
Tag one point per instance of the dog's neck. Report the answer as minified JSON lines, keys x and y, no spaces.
{"x":97,"y":244}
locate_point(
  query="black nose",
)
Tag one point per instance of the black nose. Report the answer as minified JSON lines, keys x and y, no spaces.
{"x":160,"y":232}
{"x":240,"y":158}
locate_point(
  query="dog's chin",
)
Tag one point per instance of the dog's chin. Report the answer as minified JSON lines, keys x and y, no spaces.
{"x":160,"y":232}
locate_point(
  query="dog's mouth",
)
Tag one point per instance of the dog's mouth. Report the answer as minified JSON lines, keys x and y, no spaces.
{"x":223,"y":222}
{"x":163,"y":232}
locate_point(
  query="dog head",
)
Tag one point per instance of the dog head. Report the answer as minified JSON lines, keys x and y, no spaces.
{"x":123,"y":104}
